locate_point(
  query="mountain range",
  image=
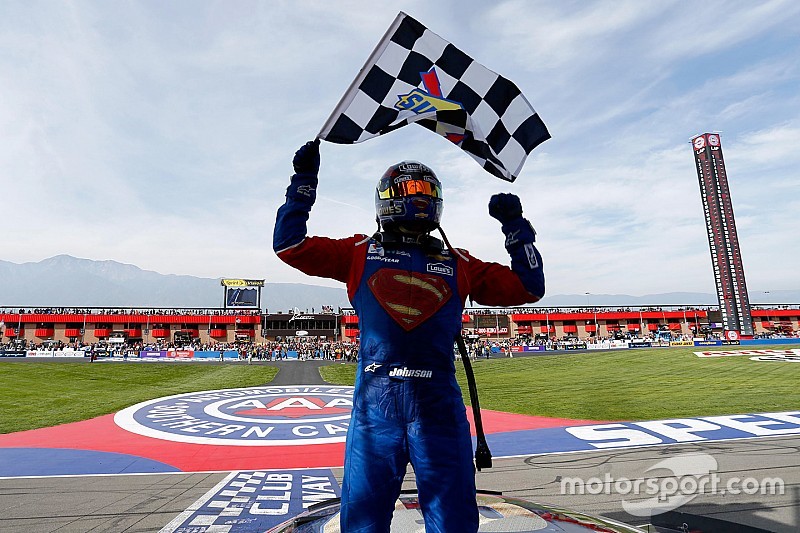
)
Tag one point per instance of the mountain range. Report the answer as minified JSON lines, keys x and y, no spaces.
{"x":66,"y":281}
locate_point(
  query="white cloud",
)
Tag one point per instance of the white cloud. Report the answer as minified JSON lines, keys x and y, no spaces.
{"x":161,"y":134}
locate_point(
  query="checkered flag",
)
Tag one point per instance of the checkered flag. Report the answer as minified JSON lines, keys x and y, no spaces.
{"x":413,"y":75}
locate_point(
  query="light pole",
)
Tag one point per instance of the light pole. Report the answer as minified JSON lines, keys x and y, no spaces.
{"x":685,"y":323}
{"x":547,"y":322}
{"x":588,"y":306}
{"x":641,"y":323}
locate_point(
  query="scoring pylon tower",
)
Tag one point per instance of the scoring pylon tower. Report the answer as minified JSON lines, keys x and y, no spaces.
{"x":734,"y":303}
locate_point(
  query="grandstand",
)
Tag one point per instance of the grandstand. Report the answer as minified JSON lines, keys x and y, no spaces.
{"x":208,"y":326}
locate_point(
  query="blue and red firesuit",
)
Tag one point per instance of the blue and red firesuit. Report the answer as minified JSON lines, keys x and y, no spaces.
{"x":409,"y":295}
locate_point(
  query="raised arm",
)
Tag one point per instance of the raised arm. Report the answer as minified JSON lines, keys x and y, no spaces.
{"x":495,"y":284}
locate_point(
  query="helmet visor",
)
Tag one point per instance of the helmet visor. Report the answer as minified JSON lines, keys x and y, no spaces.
{"x":409,"y":188}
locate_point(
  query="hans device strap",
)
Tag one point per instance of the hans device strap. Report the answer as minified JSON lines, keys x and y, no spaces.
{"x":426,"y":242}
{"x":483,"y":456}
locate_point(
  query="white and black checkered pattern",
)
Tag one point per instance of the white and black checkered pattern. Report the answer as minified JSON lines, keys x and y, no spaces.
{"x":484,"y":113}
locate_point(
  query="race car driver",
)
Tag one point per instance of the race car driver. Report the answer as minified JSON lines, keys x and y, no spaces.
{"x":409,"y":292}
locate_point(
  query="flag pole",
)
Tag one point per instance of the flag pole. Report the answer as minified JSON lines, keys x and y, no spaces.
{"x":349,"y":94}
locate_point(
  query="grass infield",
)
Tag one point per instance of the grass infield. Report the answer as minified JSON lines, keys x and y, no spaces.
{"x":48,"y":393}
{"x":646,"y":384}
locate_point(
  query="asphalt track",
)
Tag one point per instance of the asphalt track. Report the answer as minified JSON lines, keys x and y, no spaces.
{"x":148,"y":502}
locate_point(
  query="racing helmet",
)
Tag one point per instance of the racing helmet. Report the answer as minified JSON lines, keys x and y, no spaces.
{"x":409,"y":195}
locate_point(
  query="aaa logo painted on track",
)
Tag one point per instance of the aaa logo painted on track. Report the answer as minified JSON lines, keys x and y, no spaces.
{"x":253,"y":416}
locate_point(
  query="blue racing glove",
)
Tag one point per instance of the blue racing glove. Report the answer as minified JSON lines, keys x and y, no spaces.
{"x":290,"y":225}
{"x":306,"y":159}
{"x":520,"y":236}
{"x":505,"y":207}
{"x":306,"y":167}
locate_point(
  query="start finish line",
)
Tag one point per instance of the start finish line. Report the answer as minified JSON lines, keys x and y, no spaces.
{"x":255,"y":501}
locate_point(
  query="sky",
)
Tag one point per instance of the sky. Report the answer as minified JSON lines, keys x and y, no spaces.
{"x":161,"y":134}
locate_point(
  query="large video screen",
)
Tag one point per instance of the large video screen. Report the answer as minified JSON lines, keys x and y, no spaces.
{"x":241,"y":297}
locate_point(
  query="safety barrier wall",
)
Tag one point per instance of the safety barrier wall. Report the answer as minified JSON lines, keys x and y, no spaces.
{"x":771,"y":341}
{"x":516,"y":349}
{"x":233,"y":355}
{"x":55,"y":353}
{"x":207,"y":355}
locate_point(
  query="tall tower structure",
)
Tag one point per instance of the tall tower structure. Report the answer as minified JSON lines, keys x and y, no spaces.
{"x":734,"y":302}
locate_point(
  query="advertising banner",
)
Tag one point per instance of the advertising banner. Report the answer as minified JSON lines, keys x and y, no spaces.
{"x":491,"y":331}
{"x":537,"y":348}
{"x":607,"y":345}
{"x":149,"y":354}
{"x":12,"y":353}
{"x":180,"y":354}
{"x":757,"y":353}
{"x":681,"y":343}
{"x":784,"y":340}
{"x":207,"y":354}
{"x":68,"y":353}
{"x":213,"y":355}
{"x":572,"y":346}
{"x":708,"y":343}
{"x":39,"y":353}
{"x":640,"y":345}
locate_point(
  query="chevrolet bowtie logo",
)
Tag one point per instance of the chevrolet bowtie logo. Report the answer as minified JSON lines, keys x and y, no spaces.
{"x":372,"y":367}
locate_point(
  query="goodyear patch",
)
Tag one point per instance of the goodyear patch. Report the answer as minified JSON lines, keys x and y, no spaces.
{"x":254,"y":416}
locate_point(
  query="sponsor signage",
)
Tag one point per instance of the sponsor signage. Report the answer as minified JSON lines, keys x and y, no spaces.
{"x":257,"y":416}
{"x":12,"y":353}
{"x":537,"y":348}
{"x":68,"y":353}
{"x":242,"y":282}
{"x":214,"y":354}
{"x":607,"y":345}
{"x":39,"y":353}
{"x":256,"y":501}
{"x":440,"y":268}
{"x":640,"y":345}
{"x":188,"y":355}
{"x":752,"y":353}
{"x":573,"y":346}
{"x":180,"y":354}
{"x":708,"y":343}
{"x":681,"y":343}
